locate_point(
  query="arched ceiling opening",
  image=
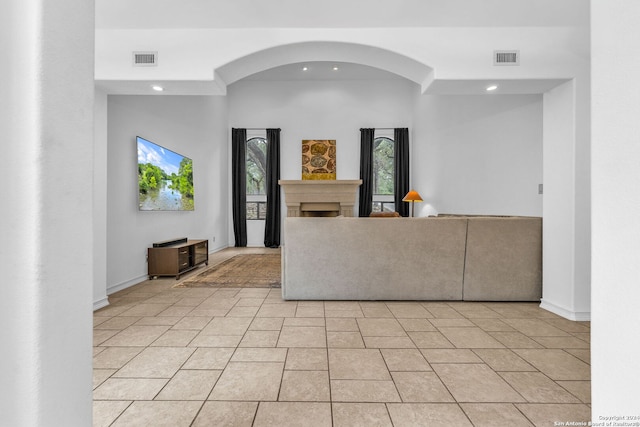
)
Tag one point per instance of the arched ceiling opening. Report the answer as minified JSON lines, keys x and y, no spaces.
{"x":324,"y":52}
{"x":322,"y":70}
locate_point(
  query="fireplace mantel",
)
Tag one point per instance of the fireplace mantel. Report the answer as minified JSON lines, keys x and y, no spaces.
{"x":320,"y":197}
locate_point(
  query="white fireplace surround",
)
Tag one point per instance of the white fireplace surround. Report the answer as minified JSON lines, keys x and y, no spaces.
{"x":320,"y":197}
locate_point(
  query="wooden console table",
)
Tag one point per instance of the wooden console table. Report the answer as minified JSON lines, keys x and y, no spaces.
{"x":176,"y":257}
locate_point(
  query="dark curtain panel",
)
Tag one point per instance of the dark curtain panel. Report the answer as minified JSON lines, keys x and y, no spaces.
{"x":272,"y":188}
{"x":401,"y":182}
{"x":239,"y":185}
{"x":366,"y":171}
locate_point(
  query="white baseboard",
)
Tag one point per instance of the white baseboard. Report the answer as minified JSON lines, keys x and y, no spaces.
{"x":103,"y":302}
{"x":124,"y":285}
{"x":580,"y":316}
{"x":218,"y":249}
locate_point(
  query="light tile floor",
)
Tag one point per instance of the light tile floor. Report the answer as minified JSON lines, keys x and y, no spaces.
{"x":167,"y":356}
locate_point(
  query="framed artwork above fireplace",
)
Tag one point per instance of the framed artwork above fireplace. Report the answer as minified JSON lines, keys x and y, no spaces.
{"x":318,"y":159}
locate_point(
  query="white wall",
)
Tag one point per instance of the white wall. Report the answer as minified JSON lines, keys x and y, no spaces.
{"x":46,"y":258}
{"x":478,"y":154}
{"x":616,"y":209}
{"x":470,"y":154}
{"x":319,"y":109}
{"x":322,"y":109}
{"x":194,"y":126}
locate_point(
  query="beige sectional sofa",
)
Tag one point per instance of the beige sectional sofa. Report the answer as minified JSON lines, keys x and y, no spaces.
{"x":435,"y":258}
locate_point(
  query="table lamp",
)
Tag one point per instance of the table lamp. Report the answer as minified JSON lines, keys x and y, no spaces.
{"x":412,"y":196}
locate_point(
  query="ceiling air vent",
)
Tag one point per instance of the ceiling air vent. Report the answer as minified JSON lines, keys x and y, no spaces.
{"x":506,"y":57}
{"x":145,"y":59}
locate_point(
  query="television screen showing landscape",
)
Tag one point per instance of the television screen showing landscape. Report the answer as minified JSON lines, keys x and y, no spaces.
{"x":165,"y":179}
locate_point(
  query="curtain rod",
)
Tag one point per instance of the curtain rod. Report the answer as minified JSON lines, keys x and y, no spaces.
{"x":384,"y":128}
{"x":256,"y":128}
{"x":280,"y":129}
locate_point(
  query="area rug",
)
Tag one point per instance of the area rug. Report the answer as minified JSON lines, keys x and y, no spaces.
{"x":239,"y":271}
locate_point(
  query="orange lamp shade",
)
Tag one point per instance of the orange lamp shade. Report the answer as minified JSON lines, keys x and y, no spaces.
{"x":412,"y":196}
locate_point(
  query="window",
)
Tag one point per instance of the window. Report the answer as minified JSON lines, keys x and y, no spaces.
{"x":383,"y":174}
{"x":256,"y":166}
{"x":256,"y":210}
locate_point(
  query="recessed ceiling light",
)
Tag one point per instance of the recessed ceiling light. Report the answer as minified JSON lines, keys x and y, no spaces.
{"x":492,"y":87}
{"x":335,"y":68}
{"x":157,"y":88}
{"x":305,"y":68}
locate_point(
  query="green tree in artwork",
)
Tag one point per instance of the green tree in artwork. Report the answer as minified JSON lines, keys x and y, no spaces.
{"x":184,"y":182}
{"x":149,"y":177}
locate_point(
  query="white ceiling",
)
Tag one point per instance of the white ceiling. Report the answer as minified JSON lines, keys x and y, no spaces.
{"x":348,"y":71}
{"x":338,"y":13}
{"x":504,"y":86}
{"x":323,"y":70}
{"x":240,"y":14}
{"x":316,"y":70}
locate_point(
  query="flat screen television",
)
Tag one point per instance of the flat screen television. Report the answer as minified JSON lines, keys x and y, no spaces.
{"x":165,"y":178}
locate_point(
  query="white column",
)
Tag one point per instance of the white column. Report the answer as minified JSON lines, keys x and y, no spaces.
{"x":46,"y":134}
{"x":100,"y":201}
{"x":615,"y":324}
{"x":566,"y":227}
